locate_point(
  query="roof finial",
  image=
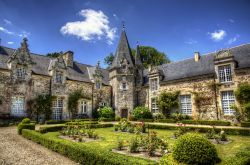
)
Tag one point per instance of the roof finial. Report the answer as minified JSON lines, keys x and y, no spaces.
{"x":123,"y":25}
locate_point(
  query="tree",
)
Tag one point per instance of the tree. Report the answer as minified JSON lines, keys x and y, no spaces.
{"x":109,"y":59}
{"x":54,"y":55}
{"x":149,"y":56}
{"x":167,"y":101}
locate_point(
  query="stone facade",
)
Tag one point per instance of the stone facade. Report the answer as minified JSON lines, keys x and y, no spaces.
{"x":126,"y":84}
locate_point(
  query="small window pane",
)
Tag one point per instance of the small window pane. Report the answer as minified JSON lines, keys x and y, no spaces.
{"x":57,"y":108}
{"x":17,"y":107}
{"x":21,"y":72}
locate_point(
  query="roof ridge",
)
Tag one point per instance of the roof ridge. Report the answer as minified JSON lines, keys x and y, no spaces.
{"x":203,"y":55}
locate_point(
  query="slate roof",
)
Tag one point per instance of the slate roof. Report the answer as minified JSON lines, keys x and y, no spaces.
{"x":123,"y":50}
{"x":79,"y":71}
{"x":190,"y":68}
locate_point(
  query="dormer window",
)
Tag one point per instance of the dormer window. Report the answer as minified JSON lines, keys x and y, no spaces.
{"x":20,"y":73}
{"x":59,"y":77}
{"x":154,"y":84}
{"x":98,"y":85}
{"x":225,"y":73}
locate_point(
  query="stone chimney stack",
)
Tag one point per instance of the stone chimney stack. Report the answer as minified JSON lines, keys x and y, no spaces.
{"x":68,"y":58}
{"x":197,"y":56}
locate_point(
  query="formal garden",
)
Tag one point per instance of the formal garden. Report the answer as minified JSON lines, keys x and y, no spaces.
{"x":144,"y":138}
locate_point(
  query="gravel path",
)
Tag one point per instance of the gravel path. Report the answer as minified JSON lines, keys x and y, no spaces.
{"x":16,"y":150}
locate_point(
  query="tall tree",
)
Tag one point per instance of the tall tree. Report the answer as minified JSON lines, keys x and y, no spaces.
{"x":149,"y":55}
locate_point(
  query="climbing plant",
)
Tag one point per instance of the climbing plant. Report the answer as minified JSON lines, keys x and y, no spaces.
{"x":73,"y":101}
{"x":200,"y":100}
{"x":167,"y":101}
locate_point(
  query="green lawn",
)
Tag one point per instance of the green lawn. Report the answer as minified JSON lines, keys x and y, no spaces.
{"x":109,"y":138}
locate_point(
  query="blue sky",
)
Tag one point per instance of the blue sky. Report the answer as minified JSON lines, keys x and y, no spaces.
{"x":91,"y":29}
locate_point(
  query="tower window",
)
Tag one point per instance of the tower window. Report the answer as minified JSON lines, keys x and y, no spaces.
{"x":124,"y":86}
{"x":225,"y":74}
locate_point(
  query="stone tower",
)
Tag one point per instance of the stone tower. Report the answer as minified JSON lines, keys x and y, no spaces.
{"x":123,"y":78}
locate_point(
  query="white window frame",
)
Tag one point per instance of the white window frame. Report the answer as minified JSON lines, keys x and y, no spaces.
{"x":57,"y":108}
{"x":83,"y":107}
{"x":225,"y":73}
{"x":154,"y":84}
{"x":58,"y":77}
{"x":20,"y":73}
{"x":17,"y":106}
{"x":154,"y":105}
{"x":186,"y":104}
{"x":227,"y":99}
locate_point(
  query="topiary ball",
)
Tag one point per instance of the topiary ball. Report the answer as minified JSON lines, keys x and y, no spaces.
{"x":195,"y":149}
{"x":26,"y":121}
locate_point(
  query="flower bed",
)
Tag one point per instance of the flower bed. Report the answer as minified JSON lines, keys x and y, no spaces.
{"x":81,"y":153}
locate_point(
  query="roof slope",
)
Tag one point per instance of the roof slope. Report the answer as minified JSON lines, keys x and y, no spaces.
{"x":79,"y":71}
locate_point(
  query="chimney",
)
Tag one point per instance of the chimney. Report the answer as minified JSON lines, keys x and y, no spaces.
{"x":197,"y":56}
{"x":68,"y":58}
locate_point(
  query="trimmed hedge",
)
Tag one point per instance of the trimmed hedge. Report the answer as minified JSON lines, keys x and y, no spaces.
{"x":166,"y":121}
{"x":55,"y":128}
{"x":81,"y":153}
{"x":245,"y":124}
{"x":22,"y":126}
{"x":195,"y":149}
{"x":229,"y":131}
{"x":45,"y":129}
{"x":82,"y":122}
{"x":106,"y":119}
{"x":55,"y":122}
{"x":207,"y":122}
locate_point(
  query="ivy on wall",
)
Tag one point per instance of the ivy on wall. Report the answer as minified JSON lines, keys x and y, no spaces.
{"x":73,"y":101}
{"x":167,"y":101}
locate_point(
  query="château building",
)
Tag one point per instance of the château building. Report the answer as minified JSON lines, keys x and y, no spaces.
{"x":126,"y":84}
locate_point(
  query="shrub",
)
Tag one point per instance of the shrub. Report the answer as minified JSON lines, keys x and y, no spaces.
{"x":120,"y":144}
{"x":106,"y":112}
{"x":195,"y":149}
{"x":158,"y":116}
{"x":167,"y":101}
{"x":26,"y":121}
{"x":106,"y":119}
{"x":22,"y":126}
{"x":245,"y":124}
{"x":142,"y":113}
{"x":223,"y":136}
{"x":241,"y":158}
{"x":133,"y":145}
{"x":179,"y":116}
{"x":166,"y":121}
{"x":117,"y":118}
{"x":247,"y":110}
{"x":81,"y":153}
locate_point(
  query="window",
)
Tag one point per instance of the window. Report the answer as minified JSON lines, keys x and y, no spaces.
{"x":83,"y":107}
{"x":123,"y":86}
{"x":58,"y":77}
{"x":17,"y":106}
{"x":227,"y":99}
{"x":154,"y":105}
{"x":57,"y":108}
{"x":98,"y":85}
{"x":154,"y":84}
{"x":20,"y":73}
{"x":225,"y":74}
{"x":186,"y":104}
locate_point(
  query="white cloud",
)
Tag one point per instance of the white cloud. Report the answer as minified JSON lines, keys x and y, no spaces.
{"x":2,"y":29}
{"x":232,"y":40}
{"x":191,"y":41}
{"x":218,"y":35}
{"x":94,"y":26}
{"x":7,"y":22}
{"x":231,"y":20}
{"x":24,"y":34}
{"x":10,"y":42}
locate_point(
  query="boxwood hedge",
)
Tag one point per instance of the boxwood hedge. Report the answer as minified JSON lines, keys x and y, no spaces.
{"x":83,"y":154}
{"x":22,"y":126}
{"x":245,"y":124}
